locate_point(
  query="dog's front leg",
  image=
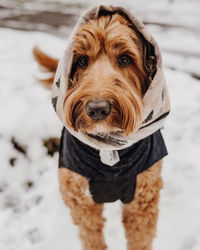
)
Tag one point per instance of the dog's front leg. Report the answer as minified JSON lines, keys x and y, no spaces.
{"x":140,"y":215}
{"x":85,"y":212}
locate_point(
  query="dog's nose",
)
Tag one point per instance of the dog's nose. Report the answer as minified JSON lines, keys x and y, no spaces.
{"x":98,"y":109}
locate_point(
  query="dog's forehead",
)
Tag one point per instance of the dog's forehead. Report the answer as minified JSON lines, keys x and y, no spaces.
{"x":106,"y":31}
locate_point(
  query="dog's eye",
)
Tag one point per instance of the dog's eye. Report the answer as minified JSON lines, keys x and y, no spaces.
{"x":83,"y":61}
{"x":124,"y":60}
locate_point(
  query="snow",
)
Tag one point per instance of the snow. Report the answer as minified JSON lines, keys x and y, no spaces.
{"x":32,"y":214}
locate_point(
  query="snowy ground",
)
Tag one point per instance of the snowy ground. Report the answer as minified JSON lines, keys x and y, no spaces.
{"x":32,"y":215}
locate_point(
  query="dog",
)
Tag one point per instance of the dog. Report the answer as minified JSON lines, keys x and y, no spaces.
{"x":111,"y":146}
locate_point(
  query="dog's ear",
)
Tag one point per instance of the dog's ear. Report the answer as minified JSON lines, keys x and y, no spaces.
{"x":149,"y":63}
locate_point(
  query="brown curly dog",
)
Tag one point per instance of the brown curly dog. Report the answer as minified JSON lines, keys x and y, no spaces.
{"x":110,"y":74}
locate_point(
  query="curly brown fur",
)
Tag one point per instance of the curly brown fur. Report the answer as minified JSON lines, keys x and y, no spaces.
{"x":101,"y":42}
{"x":139,"y":216}
{"x":85,"y":212}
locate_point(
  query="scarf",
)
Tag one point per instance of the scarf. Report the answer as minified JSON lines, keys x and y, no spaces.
{"x":156,"y":99}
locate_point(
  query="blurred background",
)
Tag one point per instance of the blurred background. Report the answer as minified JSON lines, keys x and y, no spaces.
{"x":32,"y":215}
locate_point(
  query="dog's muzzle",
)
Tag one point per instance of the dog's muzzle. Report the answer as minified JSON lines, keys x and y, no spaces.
{"x":98,"y":109}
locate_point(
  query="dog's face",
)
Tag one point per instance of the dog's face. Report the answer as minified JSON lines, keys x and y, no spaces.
{"x":107,"y":78}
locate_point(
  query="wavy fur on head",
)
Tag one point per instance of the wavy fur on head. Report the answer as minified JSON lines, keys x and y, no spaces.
{"x":102,"y":42}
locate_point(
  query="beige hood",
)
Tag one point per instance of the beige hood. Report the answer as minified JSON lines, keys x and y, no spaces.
{"x":156,"y":100}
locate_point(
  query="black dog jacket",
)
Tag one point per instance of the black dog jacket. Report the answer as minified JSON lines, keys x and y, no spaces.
{"x":106,"y":183}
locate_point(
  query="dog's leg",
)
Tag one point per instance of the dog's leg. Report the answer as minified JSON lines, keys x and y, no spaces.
{"x":85,"y":212}
{"x":140,"y":215}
